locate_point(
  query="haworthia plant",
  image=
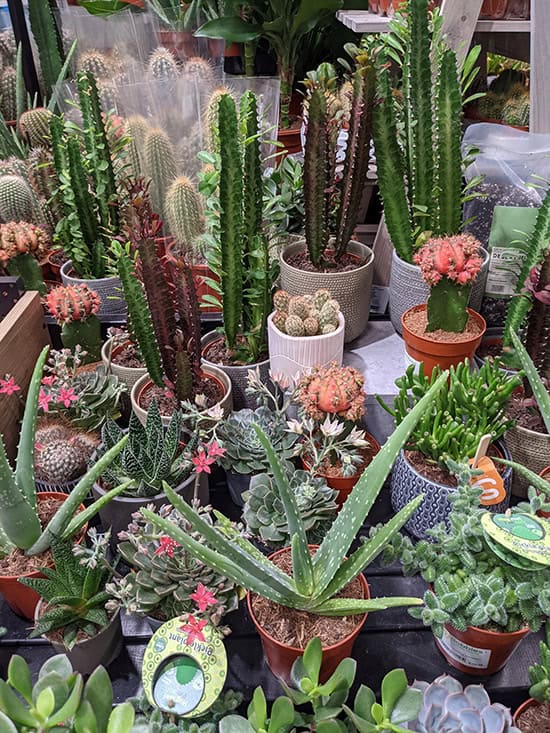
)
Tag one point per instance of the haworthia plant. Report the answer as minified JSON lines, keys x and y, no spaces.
{"x":316,"y":579}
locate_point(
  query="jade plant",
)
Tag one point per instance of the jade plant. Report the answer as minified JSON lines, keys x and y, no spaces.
{"x":20,"y":525}
{"x":22,"y":245}
{"x":316,"y":580}
{"x":74,"y":308}
{"x":471,"y":405}
{"x":417,"y":130}
{"x":60,"y":700}
{"x":449,"y":266}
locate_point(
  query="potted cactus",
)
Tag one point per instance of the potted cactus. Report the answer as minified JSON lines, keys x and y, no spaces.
{"x":165,"y":580}
{"x":22,"y":246}
{"x":311,"y":579}
{"x":480,"y":604}
{"x":331,"y":404}
{"x":534,"y":714}
{"x":417,"y":138}
{"x":339,"y":264}
{"x":304,"y":331}
{"x":24,"y":539}
{"x":75,"y":308}
{"x":241,"y":259}
{"x":470,"y":406}
{"x":444,"y":331}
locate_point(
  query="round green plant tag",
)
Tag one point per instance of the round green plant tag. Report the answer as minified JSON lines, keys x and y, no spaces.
{"x":184,"y":667}
{"x":523,"y":536}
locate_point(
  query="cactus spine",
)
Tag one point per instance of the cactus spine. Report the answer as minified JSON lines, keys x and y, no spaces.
{"x":211,"y":119}
{"x":96,"y":63}
{"x":17,"y":202}
{"x":162,"y":66}
{"x":34,"y":125}
{"x":160,"y":166}
{"x":136,"y":129}
{"x":184,"y":213}
{"x":8,"y":93}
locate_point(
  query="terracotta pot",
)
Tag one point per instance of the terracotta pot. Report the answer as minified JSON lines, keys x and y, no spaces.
{"x":344,"y":485}
{"x":494,"y":9}
{"x":20,"y":599}
{"x":53,"y":267}
{"x":291,"y":139}
{"x":545,"y":473}
{"x":200,"y":273}
{"x":280,"y":657}
{"x":211,"y":372}
{"x":476,"y":651}
{"x":232,"y":51}
{"x":530,"y":703}
{"x":182,"y":44}
{"x":126,"y":375}
{"x":434,"y":353}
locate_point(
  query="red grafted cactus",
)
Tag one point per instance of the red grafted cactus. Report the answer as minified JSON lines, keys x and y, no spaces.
{"x":72,"y":303}
{"x":21,"y":238}
{"x":332,"y":390}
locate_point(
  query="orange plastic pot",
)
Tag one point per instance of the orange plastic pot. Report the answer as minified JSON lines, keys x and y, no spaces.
{"x":435,"y":353}
{"x":200,"y":275}
{"x":291,"y":139}
{"x":545,"y":473}
{"x":477,"y":651}
{"x":20,"y":599}
{"x":530,"y":703}
{"x":344,"y":485}
{"x":280,"y":657}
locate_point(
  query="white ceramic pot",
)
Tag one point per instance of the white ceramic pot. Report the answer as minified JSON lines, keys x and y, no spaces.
{"x":126,"y":375}
{"x":297,"y":355}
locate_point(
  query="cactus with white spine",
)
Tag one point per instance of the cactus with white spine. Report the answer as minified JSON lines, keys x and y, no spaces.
{"x":61,"y":453}
{"x":96,"y":63}
{"x":8,"y":93}
{"x":183,"y":208}
{"x":136,"y":128}
{"x":34,"y":125}
{"x":17,"y":201}
{"x":162,"y":66}
{"x":160,"y":166}
{"x":316,"y":580}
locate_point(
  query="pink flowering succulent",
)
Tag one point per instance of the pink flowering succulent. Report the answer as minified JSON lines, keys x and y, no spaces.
{"x":449,"y":265}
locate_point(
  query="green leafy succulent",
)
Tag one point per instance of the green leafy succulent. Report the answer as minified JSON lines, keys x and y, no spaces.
{"x":539,"y":673}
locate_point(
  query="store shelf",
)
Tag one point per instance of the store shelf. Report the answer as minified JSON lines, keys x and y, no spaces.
{"x":361,"y":21}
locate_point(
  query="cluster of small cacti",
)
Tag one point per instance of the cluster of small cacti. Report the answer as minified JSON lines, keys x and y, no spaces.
{"x":21,"y":238}
{"x":512,"y":105}
{"x":306,"y":315}
{"x":454,"y":258}
{"x":61,"y":453}
{"x":68,"y":303}
{"x":332,"y":390}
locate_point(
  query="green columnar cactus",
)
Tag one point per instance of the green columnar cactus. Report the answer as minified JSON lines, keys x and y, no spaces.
{"x":231,"y":218}
{"x":34,"y":125}
{"x":316,"y":178}
{"x":136,"y":129}
{"x":17,"y":202}
{"x":18,"y":516}
{"x":8,"y":93}
{"x":183,"y":208}
{"x":96,"y":63}
{"x":187,"y":149}
{"x":160,"y":166}
{"x":162,"y":65}
{"x":8,"y":48}
{"x":27,"y":268}
{"x":211,"y":119}
{"x":46,"y":35}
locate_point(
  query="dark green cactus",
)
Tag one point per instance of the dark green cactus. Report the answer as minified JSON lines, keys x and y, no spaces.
{"x":316,"y":179}
{"x":27,"y":268}
{"x":46,"y":35}
{"x":17,"y":202}
{"x":34,"y":125}
{"x":160,"y":166}
{"x":44,"y":181}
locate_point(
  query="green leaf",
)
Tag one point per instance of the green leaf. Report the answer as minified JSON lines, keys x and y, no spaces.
{"x":6,"y":726}
{"x":312,"y":658}
{"x":85,"y":721}
{"x":121,"y":719}
{"x":99,"y":693}
{"x":232,"y":29}
{"x":45,"y":703}
{"x":364,"y":700}
{"x":352,"y":606}
{"x":394,"y":685}
{"x":363,"y":726}
{"x":407,"y":707}
{"x":540,"y":392}
{"x":12,"y":706}
{"x":282,"y":716}
{"x":19,"y":677}
{"x":257,"y":710}
{"x":235,"y":724}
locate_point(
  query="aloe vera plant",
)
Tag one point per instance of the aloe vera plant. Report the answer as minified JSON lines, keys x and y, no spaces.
{"x":316,"y":580}
{"x":19,"y":522}
{"x":540,"y":393}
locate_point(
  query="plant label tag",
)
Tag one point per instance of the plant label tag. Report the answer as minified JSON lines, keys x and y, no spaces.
{"x":490,"y":482}
{"x":184,"y":667}
{"x":469,"y":656}
{"x":523,"y":535}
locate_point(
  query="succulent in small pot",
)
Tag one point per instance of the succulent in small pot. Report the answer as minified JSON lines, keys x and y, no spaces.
{"x":165,"y":580}
{"x":121,"y":356}
{"x":61,"y":454}
{"x":445,"y":331}
{"x":22,"y":245}
{"x":534,"y":714}
{"x":74,"y":308}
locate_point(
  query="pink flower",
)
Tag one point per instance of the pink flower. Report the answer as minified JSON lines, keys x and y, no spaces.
{"x":167,"y":545}
{"x":44,"y":400}
{"x":66,"y":396}
{"x":193,"y":628}
{"x":215,"y":450}
{"x":8,"y":386}
{"x":202,"y":462}
{"x":48,"y":381}
{"x":203,"y":597}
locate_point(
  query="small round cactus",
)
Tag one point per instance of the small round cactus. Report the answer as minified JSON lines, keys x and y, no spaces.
{"x":332,"y":390}
{"x":294,"y":326}
{"x":317,"y":313}
{"x":21,"y":238}
{"x":280,"y":300}
{"x":279,"y":320}
{"x":96,"y":63}
{"x":17,"y":201}
{"x":311,"y":326}
{"x":69,"y":303}
{"x":61,"y":453}
{"x":34,"y":125}
{"x":297,"y":306}
{"x":162,"y":65}
{"x":320,"y":297}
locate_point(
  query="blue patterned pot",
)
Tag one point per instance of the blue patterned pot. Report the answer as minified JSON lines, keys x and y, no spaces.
{"x":407,"y":484}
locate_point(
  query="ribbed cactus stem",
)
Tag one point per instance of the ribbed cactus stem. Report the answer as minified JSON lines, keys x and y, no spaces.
{"x":160,"y":166}
{"x":27,"y":268}
{"x":162,"y":65}
{"x":537,"y":339}
{"x":8,"y":93}
{"x":137,"y":128}
{"x":184,"y":213}
{"x":34,"y":125}
{"x":46,"y":35}
{"x":316,"y":181}
{"x":86,"y":333}
{"x":17,"y":202}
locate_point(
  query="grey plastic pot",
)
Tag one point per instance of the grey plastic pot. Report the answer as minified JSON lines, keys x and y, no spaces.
{"x":352,"y":289}
{"x":531,"y":449}
{"x":406,"y":484}
{"x":126,"y":375}
{"x":407,"y":288}
{"x":237,"y":374}
{"x":237,"y":483}
{"x":113,"y":306}
{"x":102,"y":649}
{"x":116,"y":515}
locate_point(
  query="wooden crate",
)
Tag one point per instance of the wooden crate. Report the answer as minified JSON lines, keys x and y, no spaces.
{"x":23,"y":334}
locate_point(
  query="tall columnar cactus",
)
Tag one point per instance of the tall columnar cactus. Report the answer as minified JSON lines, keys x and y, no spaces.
{"x":17,"y":201}
{"x":48,"y":40}
{"x":74,"y":307}
{"x":316,"y":178}
{"x":136,"y":128}
{"x":184,"y":214}
{"x":231,"y":218}
{"x":162,"y":65}
{"x":160,"y":166}
{"x":34,"y":125}
{"x":211,"y":119}
{"x":8,"y":93}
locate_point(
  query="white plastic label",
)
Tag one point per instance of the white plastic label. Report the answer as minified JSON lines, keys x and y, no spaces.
{"x":504,"y":267}
{"x":469,"y":656}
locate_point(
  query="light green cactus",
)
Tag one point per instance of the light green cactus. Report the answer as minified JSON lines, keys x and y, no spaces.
{"x":160,"y":166}
{"x":8,"y":93}
{"x":34,"y":125}
{"x":136,"y":129}
{"x":184,"y":214}
{"x":211,"y":119}
{"x":162,"y":65}
{"x":17,"y":201}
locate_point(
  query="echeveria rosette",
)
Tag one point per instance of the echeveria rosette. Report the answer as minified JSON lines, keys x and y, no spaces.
{"x":449,"y":265}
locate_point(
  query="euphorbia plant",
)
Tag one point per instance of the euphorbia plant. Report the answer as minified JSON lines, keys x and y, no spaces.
{"x":449,"y":265}
{"x":316,"y":580}
{"x":20,"y":525}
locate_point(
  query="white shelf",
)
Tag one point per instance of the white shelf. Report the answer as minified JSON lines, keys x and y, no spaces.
{"x":361,"y":21}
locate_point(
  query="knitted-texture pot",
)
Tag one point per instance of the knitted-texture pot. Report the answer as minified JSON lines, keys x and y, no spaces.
{"x":529,"y":448}
{"x":408,"y":289}
{"x":126,"y":375}
{"x":113,"y":306}
{"x":296,"y":355}
{"x":407,"y":484}
{"x":352,"y":289}
{"x":237,"y":374}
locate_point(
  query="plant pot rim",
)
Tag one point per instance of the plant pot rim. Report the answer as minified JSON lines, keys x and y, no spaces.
{"x":37,"y":573}
{"x":525,"y":705}
{"x":520,"y":632}
{"x":347,"y":638}
{"x":145,"y":380}
{"x":66,"y":270}
{"x":356,"y":476}
{"x":301,"y":243}
{"x":142,"y":500}
{"x":308,"y":339}
{"x":112,"y":620}
{"x":108,"y":353}
{"x":213,"y":337}
{"x":533,"y":433}
{"x":430,"y":343}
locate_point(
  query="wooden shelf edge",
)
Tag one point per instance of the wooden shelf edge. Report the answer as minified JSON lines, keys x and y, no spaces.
{"x":362,"y":21}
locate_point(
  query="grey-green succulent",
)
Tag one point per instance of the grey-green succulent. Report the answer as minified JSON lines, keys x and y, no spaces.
{"x":264,"y":512}
{"x":153,"y":720}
